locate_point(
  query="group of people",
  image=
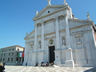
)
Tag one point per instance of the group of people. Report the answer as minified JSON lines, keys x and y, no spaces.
{"x":2,"y":67}
{"x":43,"y":64}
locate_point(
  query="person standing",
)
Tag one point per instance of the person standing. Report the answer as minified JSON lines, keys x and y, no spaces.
{"x":2,"y":68}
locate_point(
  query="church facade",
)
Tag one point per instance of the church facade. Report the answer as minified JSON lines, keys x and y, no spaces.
{"x":60,"y":38}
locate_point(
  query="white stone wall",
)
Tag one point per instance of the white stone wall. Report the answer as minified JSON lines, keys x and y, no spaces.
{"x":82,"y":45}
{"x":82,"y":40}
{"x":49,"y":27}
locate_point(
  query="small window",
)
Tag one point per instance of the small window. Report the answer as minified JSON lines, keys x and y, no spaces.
{"x":9,"y":49}
{"x":9,"y":54}
{"x":12,"y":54}
{"x":13,"y":49}
{"x":4,"y":54}
{"x":48,"y":11}
{"x":3,"y":59}
{"x":12,"y":59}
{"x":8,"y":59}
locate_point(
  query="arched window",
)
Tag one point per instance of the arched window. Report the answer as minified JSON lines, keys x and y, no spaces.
{"x":8,"y":59}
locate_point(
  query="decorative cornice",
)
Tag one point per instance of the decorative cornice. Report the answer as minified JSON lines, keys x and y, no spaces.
{"x":48,"y":34}
{"x":29,"y":34}
{"x":78,"y":20}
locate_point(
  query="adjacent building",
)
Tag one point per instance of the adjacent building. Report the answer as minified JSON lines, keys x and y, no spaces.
{"x":12,"y":55}
{"x":60,"y":38}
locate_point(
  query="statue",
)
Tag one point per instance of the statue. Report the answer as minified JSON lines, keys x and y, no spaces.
{"x":37,"y":13}
{"x":49,"y":2}
{"x":65,"y":2}
{"x":88,"y":16}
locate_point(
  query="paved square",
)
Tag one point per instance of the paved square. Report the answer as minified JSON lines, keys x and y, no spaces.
{"x":44,"y":69}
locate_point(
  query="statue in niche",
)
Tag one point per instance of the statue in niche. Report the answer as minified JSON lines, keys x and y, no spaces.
{"x":78,"y":39}
{"x":63,"y":41}
{"x":32,"y":44}
{"x":39,"y":44}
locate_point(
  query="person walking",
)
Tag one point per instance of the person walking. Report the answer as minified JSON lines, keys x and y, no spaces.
{"x":2,"y":68}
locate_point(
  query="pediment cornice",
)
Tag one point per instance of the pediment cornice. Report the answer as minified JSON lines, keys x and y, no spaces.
{"x":47,"y":7}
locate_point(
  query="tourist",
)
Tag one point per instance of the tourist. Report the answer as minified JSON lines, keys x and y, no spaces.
{"x":26,"y":64}
{"x":47,"y":64}
{"x":2,"y":68}
{"x":36,"y":64}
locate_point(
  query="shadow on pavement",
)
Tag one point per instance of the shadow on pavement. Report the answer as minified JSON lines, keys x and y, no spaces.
{"x":91,"y":70}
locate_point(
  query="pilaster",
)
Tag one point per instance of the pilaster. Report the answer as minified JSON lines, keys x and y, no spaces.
{"x":42,"y":36}
{"x":36,"y":57}
{"x":42,"y":40}
{"x":57,"y":52}
{"x":69,"y":55}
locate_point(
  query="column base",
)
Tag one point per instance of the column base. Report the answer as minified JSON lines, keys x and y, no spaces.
{"x":69,"y":63}
{"x":57,"y":62}
{"x":57,"y":57}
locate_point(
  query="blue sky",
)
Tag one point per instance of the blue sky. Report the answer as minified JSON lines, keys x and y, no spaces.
{"x":16,"y":17}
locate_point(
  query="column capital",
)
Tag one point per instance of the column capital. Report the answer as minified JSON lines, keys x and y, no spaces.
{"x":41,"y":22}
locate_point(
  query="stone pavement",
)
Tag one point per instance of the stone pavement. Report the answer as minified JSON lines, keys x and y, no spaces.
{"x":44,"y":69}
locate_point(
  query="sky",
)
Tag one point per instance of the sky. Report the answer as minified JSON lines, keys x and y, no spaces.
{"x":16,"y":17}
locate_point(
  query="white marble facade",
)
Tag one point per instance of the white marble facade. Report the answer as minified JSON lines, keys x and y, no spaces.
{"x":56,"y":27}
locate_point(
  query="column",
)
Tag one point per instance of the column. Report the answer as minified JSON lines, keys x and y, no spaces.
{"x":69,"y":56}
{"x":42,"y":41}
{"x":42,"y":37}
{"x":57,"y":49}
{"x":67,"y":32}
{"x":35,"y":60}
{"x":26,"y":54}
{"x":35,"y":36}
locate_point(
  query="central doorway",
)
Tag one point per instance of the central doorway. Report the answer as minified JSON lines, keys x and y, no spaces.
{"x":51,"y":54}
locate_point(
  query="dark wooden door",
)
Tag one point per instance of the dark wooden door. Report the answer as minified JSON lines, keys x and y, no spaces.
{"x":51,"y":54}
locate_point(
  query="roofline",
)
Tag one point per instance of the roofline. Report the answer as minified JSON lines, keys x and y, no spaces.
{"x":12,"y":46}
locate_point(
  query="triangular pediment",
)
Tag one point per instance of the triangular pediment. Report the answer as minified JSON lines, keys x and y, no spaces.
{"x":49,"y":9}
